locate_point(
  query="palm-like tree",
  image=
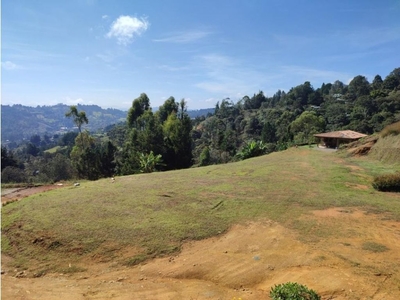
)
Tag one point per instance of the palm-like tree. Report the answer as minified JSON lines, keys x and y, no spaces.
{"x":149,"y":162}
{"x":252,"y":149}
{"x":79,"y":118}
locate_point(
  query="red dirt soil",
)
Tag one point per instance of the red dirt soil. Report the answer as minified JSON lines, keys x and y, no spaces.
{"x":243,"y":263}
{"x":15,"y":194}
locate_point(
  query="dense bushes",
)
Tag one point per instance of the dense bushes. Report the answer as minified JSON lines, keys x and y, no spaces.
{"x":13,"y":175}
{"x":387,"y":182}
{"x":292,"y":291}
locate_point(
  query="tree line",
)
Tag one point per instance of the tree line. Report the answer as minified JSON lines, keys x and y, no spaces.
{"x":146,"y":142}
{"x":169,"y":139}
{"x":261,"y":124}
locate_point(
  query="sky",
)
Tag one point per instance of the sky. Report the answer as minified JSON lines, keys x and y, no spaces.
{"x":108,"y":52}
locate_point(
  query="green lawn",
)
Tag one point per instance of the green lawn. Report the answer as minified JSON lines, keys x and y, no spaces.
{"x":155,"y":213}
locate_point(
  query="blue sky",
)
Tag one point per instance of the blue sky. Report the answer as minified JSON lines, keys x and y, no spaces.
{"x":109,"y":52}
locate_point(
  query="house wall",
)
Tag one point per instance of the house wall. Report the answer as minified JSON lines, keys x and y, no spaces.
{"x":335,"y":142}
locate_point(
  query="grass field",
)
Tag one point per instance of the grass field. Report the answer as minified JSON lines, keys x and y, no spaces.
{"x":154,"y":214}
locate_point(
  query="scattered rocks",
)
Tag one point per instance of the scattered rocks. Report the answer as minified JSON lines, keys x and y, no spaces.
{"x":39,"y":274}
{"x":38,"y":240}
{"x":21,"y":274}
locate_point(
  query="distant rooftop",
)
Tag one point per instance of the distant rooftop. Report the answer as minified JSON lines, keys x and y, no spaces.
{"x":343,"y":134}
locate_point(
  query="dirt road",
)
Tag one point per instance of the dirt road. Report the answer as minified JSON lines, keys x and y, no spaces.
{"x":15,"y":194}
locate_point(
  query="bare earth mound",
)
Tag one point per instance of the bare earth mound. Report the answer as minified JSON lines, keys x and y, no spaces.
{"x":15,"y":194}
{"x":360,"y":261}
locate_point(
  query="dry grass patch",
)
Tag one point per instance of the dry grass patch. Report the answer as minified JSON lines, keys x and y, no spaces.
{"x":392,"y":129}
{"x":374,"y":247}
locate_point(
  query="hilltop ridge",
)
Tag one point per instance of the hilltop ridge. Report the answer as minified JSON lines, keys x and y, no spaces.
{"x":21,"y":122}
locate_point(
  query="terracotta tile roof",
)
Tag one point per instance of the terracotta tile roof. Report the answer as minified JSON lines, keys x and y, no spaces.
{"x":343,"y":134}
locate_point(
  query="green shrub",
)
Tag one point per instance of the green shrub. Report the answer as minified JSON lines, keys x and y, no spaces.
{"x":292,"y":291}
{"x":205,"y":157}
{"x":252,"y":149}
{"x":137,"y":259}
{"x":70,"y":270}
{"x":13,"y":174}
{"x":387,"y":182}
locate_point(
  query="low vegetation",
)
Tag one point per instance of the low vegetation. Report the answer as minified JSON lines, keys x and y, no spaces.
{"x":252,"y":149}
{"x":387,"y":182}
{"x":374,"y":247}
{"x":154,"y":214}
{"x":293,"y":291}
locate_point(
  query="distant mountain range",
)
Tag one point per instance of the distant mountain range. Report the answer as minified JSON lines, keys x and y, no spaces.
{"x":20,"y":122}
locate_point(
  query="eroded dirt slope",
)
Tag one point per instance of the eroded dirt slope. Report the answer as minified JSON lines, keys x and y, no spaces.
{"x":15,"y":194}
{"x":245,"y":262}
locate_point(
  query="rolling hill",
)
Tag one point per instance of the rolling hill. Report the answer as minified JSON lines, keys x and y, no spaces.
{"x":19,"y":122}
{"x":298,"y":215}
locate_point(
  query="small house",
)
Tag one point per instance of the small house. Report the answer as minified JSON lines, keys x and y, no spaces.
{"x":335,"y":138}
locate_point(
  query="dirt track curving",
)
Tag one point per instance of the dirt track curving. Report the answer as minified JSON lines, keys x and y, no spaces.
{"x":15,"y":194}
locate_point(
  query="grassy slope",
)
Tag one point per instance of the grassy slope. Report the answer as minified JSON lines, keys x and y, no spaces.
{"x":387,"y":149}
{"x":155,"y":213}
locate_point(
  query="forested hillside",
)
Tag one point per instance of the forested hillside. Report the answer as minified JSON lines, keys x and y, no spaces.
{"x":18,"y":121}
{"x":289,"y":118}
{"x":168,"y":138}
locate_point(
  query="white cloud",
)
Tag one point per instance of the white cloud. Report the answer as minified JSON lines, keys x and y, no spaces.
{"x":8,"y":65}
{"x":104,"y":17}
{"x":125,"y":28}
{"x":70,"y":101}
{"x":184,"y":37}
